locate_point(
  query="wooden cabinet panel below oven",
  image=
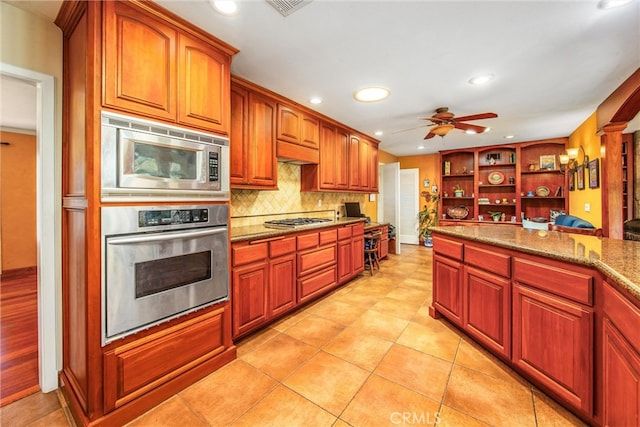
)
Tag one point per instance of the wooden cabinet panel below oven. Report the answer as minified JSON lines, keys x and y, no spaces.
{"x":140,"y":366}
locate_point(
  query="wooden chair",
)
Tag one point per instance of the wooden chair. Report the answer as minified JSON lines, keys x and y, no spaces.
{"x":575,"y":230}
{"x":371,"y":243}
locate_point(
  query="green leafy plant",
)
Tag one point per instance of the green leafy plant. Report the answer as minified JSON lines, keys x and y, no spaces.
{"x":428,"y":216}
{"x":495,"y":215}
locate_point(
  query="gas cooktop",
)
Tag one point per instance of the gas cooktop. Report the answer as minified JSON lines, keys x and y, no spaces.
{"x":294,"y":222}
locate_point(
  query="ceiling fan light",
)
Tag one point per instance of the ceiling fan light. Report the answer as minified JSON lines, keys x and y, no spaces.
{"x":486,"y":130}
{"x":470,"y":132}
{"x":442,"y":130}
{"x":371,"y":94}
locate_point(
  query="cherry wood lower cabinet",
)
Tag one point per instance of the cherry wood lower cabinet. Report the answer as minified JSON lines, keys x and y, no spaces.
{"x":350,"y":250}
{"x":620,"y":373}
{"x":560,"y":325}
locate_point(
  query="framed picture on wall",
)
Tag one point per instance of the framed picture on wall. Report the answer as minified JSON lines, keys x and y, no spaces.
{"x":594,"y":173}
{"x":572,"y":179}
{"x":580,"y":177}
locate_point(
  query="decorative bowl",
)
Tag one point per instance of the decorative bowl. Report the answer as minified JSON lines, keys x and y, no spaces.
{"x":496,"y":177}
{"x":458,"y":212}
{"x":542,"y":191}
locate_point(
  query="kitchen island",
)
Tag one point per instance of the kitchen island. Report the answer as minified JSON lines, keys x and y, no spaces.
{"x":561,"y":309}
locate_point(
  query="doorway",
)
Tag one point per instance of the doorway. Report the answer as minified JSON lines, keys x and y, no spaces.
{"x":47,"y":223}
{"x":388,"y":198}
{"x":408,"y":227}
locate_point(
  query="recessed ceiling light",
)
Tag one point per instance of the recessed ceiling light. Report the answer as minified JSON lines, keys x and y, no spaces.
{"x":509,"y":136}
{"x":378,"y":133}
{"x":371,"y":94}
{"x":315,"y":100}
{"x":610,"y":4}
{"x":481,"y":79}
{"x":225,"y":7}
{"x":420,"y":147}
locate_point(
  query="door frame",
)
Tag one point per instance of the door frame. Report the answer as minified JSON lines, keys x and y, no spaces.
{"x":47,"y":224}
{"x":412,"y":194}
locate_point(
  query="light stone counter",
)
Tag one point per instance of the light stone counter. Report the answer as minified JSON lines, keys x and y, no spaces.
{"x":254,"y":232}
{"x":617,"y":259}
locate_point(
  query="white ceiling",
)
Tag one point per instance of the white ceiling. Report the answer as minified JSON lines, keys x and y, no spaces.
{"x":554,"y":61}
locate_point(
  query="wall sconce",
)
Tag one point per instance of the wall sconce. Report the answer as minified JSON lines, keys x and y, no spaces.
{"x":569,"y":160}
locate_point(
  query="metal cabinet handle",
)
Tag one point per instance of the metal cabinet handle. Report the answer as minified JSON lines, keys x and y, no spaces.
{"x":163,"y":236}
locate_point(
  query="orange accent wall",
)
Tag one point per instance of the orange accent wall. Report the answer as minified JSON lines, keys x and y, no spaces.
{"x":18,"y":201}
{"x":586,"y":135}
{"x":428,"y":165}
{"x":371,"y":208}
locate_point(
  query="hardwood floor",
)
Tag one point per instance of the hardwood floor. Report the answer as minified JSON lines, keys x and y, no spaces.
{"x":18,"y":336}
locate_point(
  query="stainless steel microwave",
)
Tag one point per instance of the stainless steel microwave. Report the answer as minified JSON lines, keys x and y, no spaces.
{"x":144,"y":161}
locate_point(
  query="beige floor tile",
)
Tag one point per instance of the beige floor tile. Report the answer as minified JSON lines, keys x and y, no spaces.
{"x":314,"y":330}
{"x":448,"y":417}
{"x":381,"y":402}
{"x":489,"y":399}
{"x":339,"y":312}
{"x":380,"y":325}
{"x":254,"y":341}
{"x":285,"y":408}
{"x":359,"y":299}
{"x":435,"y":339}
{"x":408,"y":294}
{"x":402,"y":309}
{"x":328,"y":381}
{"x":172,"y":412}
{"x":54,"y":419}
{"x":416,"y":371}
{"x":472,"y":356}
{"x":29,"y":409}
{"x":290,"y":320}
{"x":358,"y":347}
{"x":422,"y":316}
{"x":549,"y":413}
{"x":235,"y":388}
{"x":280,"y":356}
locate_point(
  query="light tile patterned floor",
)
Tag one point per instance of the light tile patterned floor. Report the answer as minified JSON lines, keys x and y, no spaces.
{"x":366,"y":355}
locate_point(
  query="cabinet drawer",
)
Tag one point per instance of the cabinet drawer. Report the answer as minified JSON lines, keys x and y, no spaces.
{"x":316,"y":283}
{"x":140,"y":366}
{"x":316,"y":259}
{"x":488,"y":260}
{"x":358,"y":229}
{"x":344,"y":232}
{"x":624,"y":315}
{"x":307,"y":241}
{"x":447,"y":247}
{"x":328,"y":236}
{"x":282,"y":247}
{"x":574,"y":285}
{"x":247,"y":253}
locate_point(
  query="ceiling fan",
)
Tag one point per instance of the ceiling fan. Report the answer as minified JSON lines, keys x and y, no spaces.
{"x":444,"y":121}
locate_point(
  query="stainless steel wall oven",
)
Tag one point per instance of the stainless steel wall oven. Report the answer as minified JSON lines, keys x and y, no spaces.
{"x":146,"y":160}
{"x":160,"y":262}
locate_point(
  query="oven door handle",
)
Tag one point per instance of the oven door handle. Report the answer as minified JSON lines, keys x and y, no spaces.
{"x":163,"y":236}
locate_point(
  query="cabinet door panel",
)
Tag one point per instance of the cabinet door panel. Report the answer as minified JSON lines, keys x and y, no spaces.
{"x":354,"y":162}
{"x":262,"y":144}
{"x":447,"y":288}
{"x":552,"y":342}
{"x":327,"y":165}
{"x":282,"y":284}
{"x":341,"y":163}
{"x":249,"y":297}
{"x":204,"y":86}
{"x":358,"y":254}
{"x":288,"y":126}
{"x":345,"y":260}
{"x":140,"y":62}
{"x":310,"y":132}
{"x":487,"y":301}
{"x":621,"y":379}
{"x":238,"y":145}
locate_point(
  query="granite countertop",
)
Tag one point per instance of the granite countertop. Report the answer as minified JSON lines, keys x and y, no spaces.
{"x":617,"y":259}
{"x":252,"y":232}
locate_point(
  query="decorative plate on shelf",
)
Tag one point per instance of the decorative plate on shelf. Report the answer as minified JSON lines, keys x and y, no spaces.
{"x":542,"y":191}
{"x":458,"y":212}
{"x":495,"y":177}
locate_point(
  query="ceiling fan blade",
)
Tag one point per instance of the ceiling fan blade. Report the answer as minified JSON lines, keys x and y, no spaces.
{"x":406,"y":130}
{"x":433,"y":119}
{"x":429,"y":135}
{"x":467,"y":126}
{"x":476,"y":117}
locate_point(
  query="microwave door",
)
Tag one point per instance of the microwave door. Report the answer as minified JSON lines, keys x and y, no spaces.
{"x":148,"y":161}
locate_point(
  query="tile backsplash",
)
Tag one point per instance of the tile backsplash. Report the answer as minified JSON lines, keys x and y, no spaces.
{"x":250,"y":207}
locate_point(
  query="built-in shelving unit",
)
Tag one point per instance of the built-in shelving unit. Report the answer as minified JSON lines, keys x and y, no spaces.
{"x":504,"y":179}
{"x":627,"y":176}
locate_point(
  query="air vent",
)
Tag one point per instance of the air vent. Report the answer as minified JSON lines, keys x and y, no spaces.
{"x":287,"y":7}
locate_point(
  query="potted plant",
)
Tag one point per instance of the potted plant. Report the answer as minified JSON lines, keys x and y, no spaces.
{"x":495,"y":215}
{"x":428,"y":217}
{"x":458,"y":191}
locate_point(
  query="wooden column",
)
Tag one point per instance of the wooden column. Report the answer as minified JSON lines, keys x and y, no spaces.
{"x":611,"y":151}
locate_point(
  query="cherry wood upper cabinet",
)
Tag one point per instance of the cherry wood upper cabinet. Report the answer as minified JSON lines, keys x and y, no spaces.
{"x":140,"y":59}
{"x":298,"y":128}
{"x":155,"y":69}
{"x":238,"y":164}
{"x":204,"y":78}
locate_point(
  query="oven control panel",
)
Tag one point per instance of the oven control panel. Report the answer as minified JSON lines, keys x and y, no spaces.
{"x":152,"y":218}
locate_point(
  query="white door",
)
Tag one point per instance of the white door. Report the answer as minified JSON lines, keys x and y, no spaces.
{"x":388,"y":198}
{"x":409,"y":201}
